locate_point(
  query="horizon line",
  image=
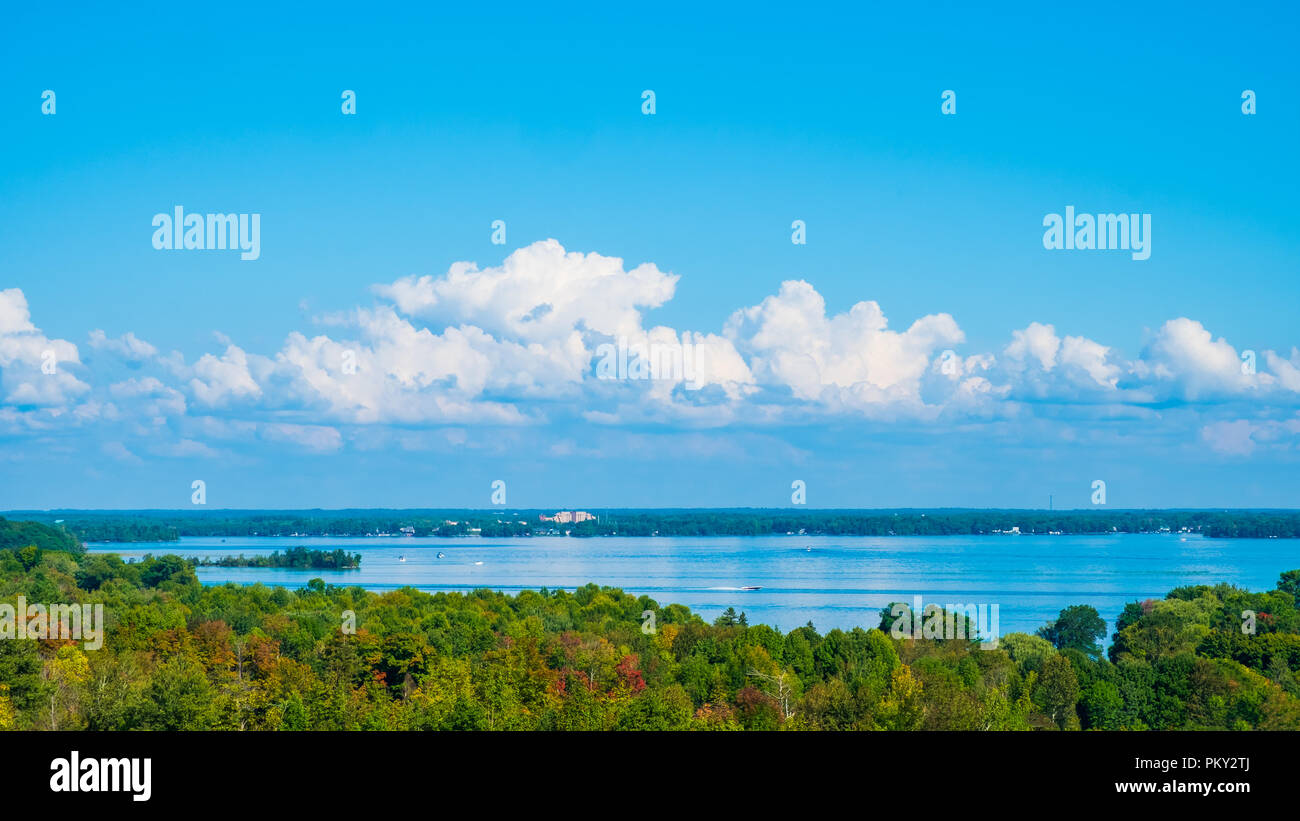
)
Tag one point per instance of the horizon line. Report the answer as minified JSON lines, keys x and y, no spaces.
{"x":797,"y":510}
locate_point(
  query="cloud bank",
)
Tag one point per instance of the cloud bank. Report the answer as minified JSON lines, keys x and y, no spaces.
{"x":519,"y":345}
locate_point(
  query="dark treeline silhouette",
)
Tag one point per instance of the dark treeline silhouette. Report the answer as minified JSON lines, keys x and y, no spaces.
{"x":168,"y":525}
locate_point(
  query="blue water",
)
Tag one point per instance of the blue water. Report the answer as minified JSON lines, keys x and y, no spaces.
{"x":840,"y":582}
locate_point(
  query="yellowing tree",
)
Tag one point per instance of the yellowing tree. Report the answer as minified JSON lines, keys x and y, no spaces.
{"x":68,"y":671}
{"x":902,"y":708}
{"x":6,"y":709}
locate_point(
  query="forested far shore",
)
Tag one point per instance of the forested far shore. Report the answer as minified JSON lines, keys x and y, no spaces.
{"x":170,"y":525}
{"x":33,"y":536}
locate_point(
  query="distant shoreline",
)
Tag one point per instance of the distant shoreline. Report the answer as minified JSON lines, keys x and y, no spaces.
{"x":164,"y":526}
{"x":476,"y":536}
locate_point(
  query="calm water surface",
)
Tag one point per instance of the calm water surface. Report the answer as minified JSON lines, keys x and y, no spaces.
{"x":830,"y":581}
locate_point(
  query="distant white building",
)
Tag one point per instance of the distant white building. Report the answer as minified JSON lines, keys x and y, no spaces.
{"x":568,"y":517}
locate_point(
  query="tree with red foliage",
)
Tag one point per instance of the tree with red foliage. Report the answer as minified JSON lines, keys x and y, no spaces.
{"x":629,"y":673}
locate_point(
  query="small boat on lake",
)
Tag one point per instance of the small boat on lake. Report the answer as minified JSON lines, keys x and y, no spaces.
{"x":751,"y":587}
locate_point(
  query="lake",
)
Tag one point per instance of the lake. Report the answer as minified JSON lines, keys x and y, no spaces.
{"x":831,"y":581}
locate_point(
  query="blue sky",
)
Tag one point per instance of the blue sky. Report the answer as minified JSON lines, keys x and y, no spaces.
{"x":827,"y":114}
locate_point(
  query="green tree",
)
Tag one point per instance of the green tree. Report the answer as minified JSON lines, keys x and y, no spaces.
{"x":1101,"y":706}
{"x":1029,"y":652}
{"x":1289,"y":582}
{"x":178,"y":698}
{"x":1078,"y":627}
{"x":29,"y":556}
{"x":1060,"y":691}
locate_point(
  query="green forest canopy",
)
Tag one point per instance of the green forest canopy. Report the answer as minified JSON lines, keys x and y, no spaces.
{"x":43,"y":537}
{"x":182,"y":656}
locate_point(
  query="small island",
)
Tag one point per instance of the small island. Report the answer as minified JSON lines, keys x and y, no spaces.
{"x":295,"y":558}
